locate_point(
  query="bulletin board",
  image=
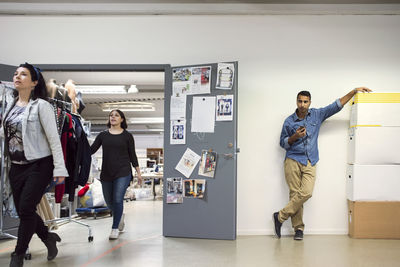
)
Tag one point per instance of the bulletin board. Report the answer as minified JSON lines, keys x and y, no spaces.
{"x":210,"y":213}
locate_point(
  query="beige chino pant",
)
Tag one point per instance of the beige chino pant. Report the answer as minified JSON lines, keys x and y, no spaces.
{"x":301,"y":180}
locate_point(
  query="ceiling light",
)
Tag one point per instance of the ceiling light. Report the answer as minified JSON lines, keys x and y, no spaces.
{"x":132,"y":89}
{"x":136,"y":120}
{"x":130,"y":109}
{"x":101,"y":89}
{"x":152,"y":120}
{"x":128,"y":106}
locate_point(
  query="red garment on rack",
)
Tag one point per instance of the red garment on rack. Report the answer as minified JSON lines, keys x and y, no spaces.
{"x":83,"y":190}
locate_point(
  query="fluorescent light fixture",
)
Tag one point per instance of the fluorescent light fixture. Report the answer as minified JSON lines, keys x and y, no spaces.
{"x":152,"y":120}
{"x":128,"y":106}
{"x":102,"y":89}
{"x":136,"y":120}
{"x":107,"y":89}
{"x":130,"y":109}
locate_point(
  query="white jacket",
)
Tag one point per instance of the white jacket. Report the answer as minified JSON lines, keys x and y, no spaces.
{"x":39,"y":130}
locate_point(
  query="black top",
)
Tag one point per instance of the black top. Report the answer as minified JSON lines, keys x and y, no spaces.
{"x":118,"y":153}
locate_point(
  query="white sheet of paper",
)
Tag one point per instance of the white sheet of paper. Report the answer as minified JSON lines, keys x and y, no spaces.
{"x":178,"y":132}
{"x":203,"y":114}
{"x":188,"y":162}
{"x":178,"y":108}
{"x":224,"y":109}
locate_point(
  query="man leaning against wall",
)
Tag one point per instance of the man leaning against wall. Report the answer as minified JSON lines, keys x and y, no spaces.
{"x":299,"y":137}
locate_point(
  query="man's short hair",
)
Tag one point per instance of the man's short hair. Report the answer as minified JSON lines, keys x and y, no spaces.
{"x":304,"y":93}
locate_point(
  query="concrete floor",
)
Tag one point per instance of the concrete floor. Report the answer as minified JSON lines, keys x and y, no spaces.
{"x":142,"y":244}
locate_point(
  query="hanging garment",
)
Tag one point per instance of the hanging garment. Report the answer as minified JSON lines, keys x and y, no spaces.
{"x":83,"y":154}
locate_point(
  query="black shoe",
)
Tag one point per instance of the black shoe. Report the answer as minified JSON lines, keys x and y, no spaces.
{"x":17,"y":260}
{"x":51,"y":244}
{"x":298,"y":235}
{"x":277,"y":224}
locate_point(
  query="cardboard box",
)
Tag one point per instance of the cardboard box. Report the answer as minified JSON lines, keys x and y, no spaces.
{"x":373,"y":182}
{"x":374,"y":145}
{"x":375,"y":114}
{"x":374,"y":219}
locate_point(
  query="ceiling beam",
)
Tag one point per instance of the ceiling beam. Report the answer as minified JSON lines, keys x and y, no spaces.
{"x":196,"y":9}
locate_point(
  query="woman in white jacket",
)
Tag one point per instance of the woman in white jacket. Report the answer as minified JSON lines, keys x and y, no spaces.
{"x":34,"y":149}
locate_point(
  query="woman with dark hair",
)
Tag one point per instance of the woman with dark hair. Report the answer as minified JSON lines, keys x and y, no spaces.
{"x":34,"y":149}
{"x":116,"y":172}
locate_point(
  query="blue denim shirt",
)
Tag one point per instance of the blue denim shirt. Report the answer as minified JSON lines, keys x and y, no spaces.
{"x":306,"y":148}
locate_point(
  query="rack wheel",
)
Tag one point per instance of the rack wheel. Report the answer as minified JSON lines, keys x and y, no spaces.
{"x":28,"y":256}
{"x":90,"y":238}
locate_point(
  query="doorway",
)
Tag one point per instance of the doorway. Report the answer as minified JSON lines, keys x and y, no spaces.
{"x":138,"y":91}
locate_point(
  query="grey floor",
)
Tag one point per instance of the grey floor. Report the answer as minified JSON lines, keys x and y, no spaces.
{"x":142,"y":244}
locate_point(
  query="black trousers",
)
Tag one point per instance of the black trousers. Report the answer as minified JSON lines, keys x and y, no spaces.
{"x":28,"y":184}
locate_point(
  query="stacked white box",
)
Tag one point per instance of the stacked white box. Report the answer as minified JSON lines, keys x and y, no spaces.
{"x":375,"y":114}
{"x":376,"y":109}
{"x":373,"y":173}
{"x":375,"y":129}
{"x":373,"y":182}
{"x":374,"y":145}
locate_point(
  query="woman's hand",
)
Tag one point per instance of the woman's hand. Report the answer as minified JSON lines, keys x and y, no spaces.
{"x":139,"y":176}
{"x":59,"y":179}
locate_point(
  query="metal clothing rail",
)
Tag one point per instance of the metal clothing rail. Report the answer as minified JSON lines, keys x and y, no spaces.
{"x":2,"y":233}
{"x":65,"y":107}
{"x":3,"y":168}
{"x":68,"y":219}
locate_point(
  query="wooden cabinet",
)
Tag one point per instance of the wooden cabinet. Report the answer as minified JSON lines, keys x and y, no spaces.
{"x":156,"y":154}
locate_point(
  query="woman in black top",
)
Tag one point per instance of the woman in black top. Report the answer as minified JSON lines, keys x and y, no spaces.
{"x":116,"y":174}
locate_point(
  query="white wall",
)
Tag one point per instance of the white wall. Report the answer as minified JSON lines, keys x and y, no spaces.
{"x":278,"y":56}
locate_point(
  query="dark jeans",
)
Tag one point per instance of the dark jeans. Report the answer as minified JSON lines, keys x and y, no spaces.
{"x":114,"y":192}
{"x":28,"y":183}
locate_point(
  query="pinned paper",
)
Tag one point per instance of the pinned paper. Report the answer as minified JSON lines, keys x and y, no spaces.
{"x":191,"y":80}
{"x":224,"y":110}
{"x":203,"y":114}
{"x":225,"y":76}
{"x":194,"y":188}
{"x":178,"y":132}
{"x":208,"y":163}
{"x":188,"y":162}
{"x":174,"y":190}
{"x":178,"y":108}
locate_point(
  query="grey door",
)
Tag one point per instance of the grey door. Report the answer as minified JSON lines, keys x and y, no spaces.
{"x":214,"y":216}
{"x":6,"y":72}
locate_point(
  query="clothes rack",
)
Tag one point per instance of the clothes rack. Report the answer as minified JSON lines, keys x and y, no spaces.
{"x":3,"y":168}
{"x":65,"y":106}
{"x":3,"y":172}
